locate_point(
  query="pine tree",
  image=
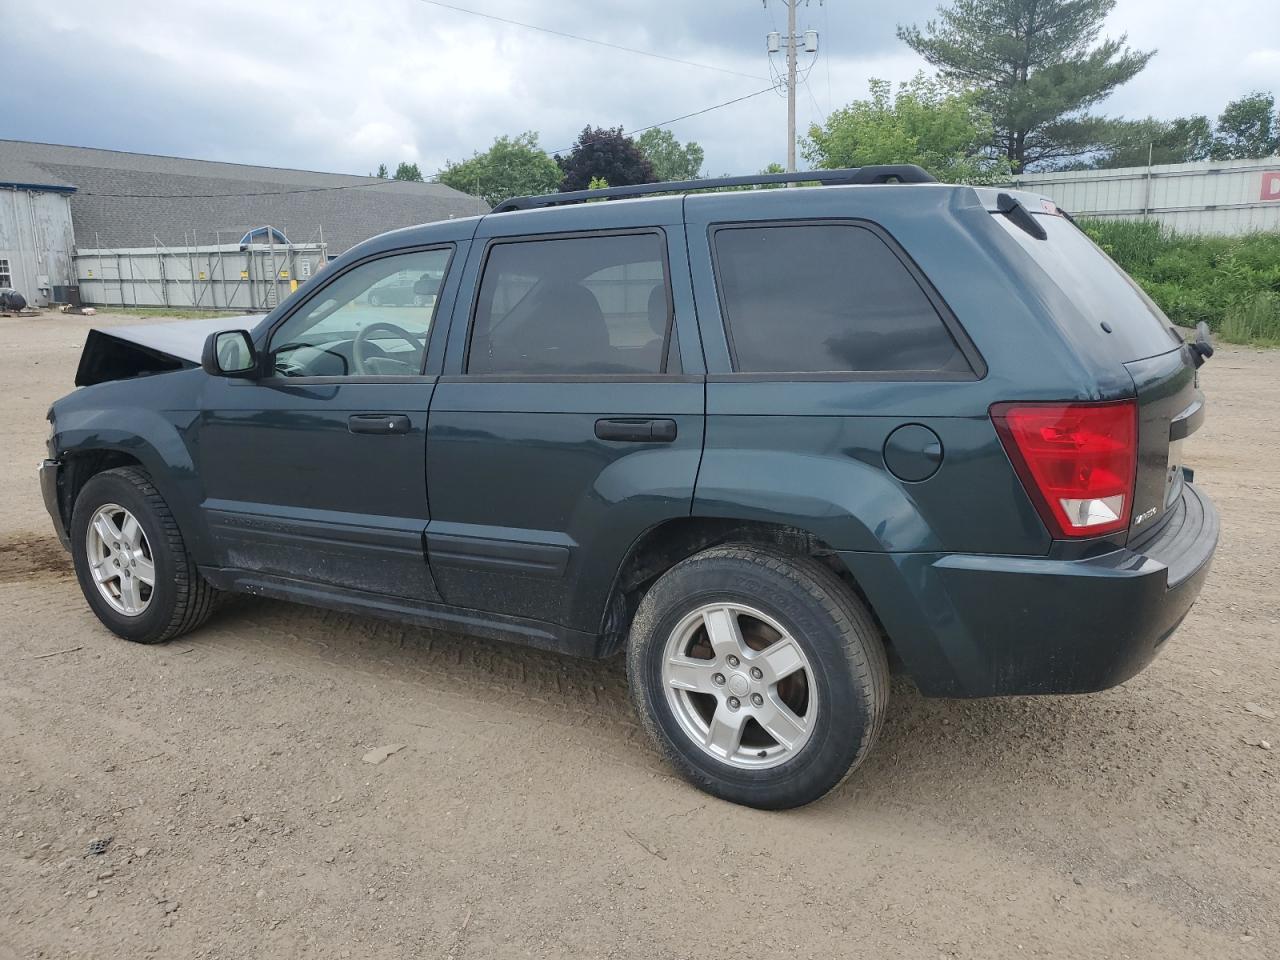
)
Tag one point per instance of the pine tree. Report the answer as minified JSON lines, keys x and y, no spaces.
{"x":1037,"y":67}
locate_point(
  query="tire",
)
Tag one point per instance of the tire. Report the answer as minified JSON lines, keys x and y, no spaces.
{"x":178,"y":600}
{"x":772,"y":597}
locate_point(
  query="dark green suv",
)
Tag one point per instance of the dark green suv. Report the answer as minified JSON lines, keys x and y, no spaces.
{"x":766,"y":443}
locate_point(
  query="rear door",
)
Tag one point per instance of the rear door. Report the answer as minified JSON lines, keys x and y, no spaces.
{"x":570,"y":417}
{"x":1110,"y":320}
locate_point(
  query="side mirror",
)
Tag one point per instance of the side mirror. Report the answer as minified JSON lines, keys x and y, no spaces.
{"x":229,"y":353}
{"x":1202,"y":347}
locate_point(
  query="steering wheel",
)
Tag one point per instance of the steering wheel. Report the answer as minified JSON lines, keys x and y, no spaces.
{"x":360,"y":357}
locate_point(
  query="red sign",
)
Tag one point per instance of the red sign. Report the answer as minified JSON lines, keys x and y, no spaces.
{"x":1271,"y":185}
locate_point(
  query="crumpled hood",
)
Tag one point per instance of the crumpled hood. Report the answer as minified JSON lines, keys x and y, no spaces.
{"x":117,"y":353}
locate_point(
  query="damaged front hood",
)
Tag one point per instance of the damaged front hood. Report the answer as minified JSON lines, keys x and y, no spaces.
{"x":118,"y":353}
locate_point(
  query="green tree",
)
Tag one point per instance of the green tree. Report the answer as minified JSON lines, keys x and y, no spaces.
{"x":512,"y":167}
{"x":1130,"y":143}
{"x":1248,"y":127}
{"x":407,"y":171}
{"x":1036,"y":69}
{"x":670,"y":160}
{"x":382,"y":172}
{"x":925,"y":122}
{"x":607,"y":153}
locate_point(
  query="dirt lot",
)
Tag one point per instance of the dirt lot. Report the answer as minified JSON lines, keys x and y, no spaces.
{"x":526,"y":816}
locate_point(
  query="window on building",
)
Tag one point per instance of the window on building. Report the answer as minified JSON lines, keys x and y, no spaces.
{"x":820,"y":298}
{"x":370,"y":321}
{"x":578,"y":305}
{"x":6,"y":278}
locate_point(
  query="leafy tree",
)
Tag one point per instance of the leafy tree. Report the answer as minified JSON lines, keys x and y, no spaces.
{"x":407,"y":171}
{"x":774,"y":167}
{"x":382,"y":172}
{"x":607,"y":153}
{"x":1035,"y":67}
{"x":1130,"y":143}
{"x":1248,"y":127}
{"x":670,"y":160}
{"x":512,"y":167}
{"x":925,"y":122}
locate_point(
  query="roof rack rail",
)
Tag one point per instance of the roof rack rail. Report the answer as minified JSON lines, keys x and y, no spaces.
{"x":881,"y":173}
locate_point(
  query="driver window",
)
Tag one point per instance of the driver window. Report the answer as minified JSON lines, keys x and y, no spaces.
{"x":372,"y":321}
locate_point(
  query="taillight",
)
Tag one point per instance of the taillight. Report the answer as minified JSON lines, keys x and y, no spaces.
{"x":1076,"y":460}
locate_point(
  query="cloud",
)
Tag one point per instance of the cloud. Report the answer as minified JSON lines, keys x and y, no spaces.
{"x":335,"y":85}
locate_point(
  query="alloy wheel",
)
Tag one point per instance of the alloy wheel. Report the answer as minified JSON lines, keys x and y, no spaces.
{"x":740,"y":685}
{"x":120,"y":560}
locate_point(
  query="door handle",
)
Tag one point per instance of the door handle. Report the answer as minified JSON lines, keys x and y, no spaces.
{"x":378,"y":423}
{"x":636,"y":431}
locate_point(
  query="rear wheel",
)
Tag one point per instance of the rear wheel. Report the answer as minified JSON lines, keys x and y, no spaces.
{"x":131,"y":561}
{"x":761,"y":676}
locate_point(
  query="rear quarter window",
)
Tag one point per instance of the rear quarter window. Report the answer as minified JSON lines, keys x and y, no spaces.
{"x":827,"y":298}
{"x":1097,"y":286}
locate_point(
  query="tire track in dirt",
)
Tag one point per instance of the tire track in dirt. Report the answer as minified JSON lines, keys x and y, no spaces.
{"x":33,"y":556}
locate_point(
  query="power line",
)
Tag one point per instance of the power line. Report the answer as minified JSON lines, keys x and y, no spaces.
{"x":378,"y":182}
{"x":663,"y":123}
{"x":599,"y":43}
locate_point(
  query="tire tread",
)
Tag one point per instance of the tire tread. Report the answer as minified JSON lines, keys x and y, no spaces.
{"x":195,"y":596}
{"x":861,"y":643}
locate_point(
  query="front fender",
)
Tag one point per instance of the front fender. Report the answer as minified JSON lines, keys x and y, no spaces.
{"x":124,"y":418}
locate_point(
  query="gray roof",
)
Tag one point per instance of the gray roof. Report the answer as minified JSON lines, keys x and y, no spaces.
{"x":133,"y":199}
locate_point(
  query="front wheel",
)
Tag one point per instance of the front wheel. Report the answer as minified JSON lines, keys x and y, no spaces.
{"x":132,"y":562}
{"x":761,"y":676}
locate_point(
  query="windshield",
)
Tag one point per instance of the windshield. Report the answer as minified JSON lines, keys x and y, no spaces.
{"x":1096,"y":285}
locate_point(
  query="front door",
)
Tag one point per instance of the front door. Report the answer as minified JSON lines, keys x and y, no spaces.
{"x":315,"y":472}
{"x":568,"y":421}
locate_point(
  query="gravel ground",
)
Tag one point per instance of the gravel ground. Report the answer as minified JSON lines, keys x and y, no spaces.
{"x":527,"y":816}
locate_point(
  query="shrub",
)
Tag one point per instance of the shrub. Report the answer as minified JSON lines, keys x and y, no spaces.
{"x":1231,"y":283}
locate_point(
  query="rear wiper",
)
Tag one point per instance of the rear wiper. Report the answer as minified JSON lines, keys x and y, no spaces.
{"x":1020,"y":216}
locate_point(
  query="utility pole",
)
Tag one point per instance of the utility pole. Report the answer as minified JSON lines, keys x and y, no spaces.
{"x":810,"y":40}
{"x":791,"y":86}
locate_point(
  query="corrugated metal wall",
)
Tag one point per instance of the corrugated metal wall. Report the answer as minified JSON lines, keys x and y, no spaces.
{"x":214,"y":277}
{"x":37,"y":241}
{"x":1226,"y":196}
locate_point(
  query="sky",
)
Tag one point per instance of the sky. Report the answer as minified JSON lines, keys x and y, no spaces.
{"x":342,"y":85}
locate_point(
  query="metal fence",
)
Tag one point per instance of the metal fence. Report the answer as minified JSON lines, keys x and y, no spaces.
{"x":253,"y":277}
{"x":1225,"y":197}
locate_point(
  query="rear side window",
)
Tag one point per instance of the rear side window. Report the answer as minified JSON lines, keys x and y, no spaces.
{"x":578,"y":305}
{"x":1094,"y":283}
{"x":819,"y":298}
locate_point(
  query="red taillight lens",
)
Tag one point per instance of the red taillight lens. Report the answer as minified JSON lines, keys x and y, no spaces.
{"x":1076,"y":460}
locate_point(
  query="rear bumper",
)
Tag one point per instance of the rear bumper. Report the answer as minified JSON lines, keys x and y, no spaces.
{"x":973,"y":625}
{"x":49,"y":471}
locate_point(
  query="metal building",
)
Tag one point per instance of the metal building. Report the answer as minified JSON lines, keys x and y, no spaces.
{"x":1209,"y":196}
{"x":143,"y":230}
{"x":36,"y":238}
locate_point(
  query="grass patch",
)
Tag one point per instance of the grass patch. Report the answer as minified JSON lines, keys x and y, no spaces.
{"x":1230,"y":283}
{"x":173,"y":313}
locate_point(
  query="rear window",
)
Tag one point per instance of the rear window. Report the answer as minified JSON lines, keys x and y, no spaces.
{"x":827,"y":298}
{"x":1094,"y":283}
